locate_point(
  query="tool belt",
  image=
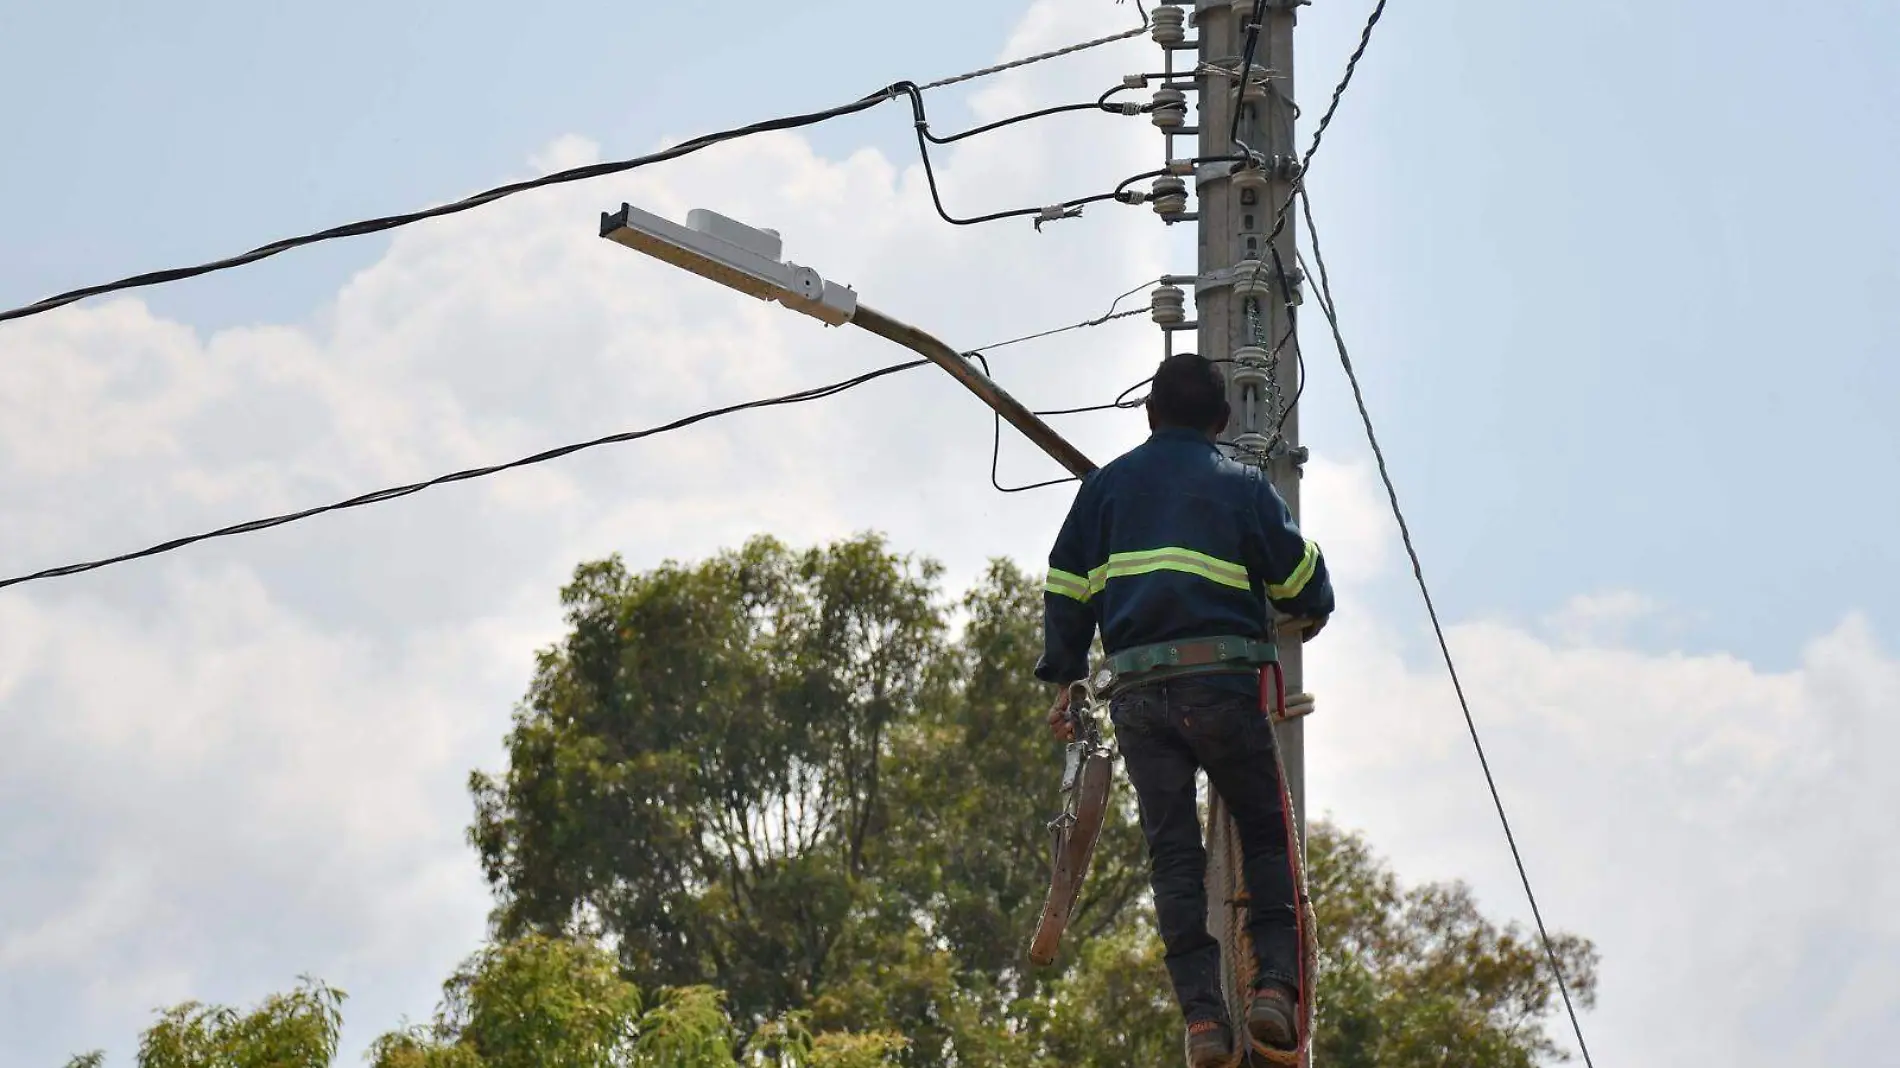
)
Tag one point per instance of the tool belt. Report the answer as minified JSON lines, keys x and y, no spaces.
{"x":1145,"y":664}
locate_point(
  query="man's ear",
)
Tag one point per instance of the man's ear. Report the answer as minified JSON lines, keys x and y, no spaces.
{"x":1226,"y":416}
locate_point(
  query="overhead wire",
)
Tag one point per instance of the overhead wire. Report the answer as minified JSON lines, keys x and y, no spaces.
{"x":1330,"y":309}
{"x":1281,"y":215}
{"x":394,"y":492}
{"x":1066,"y":209}
{"x":1101,"y":104}
{"x":382,"y":495}
{"x":996,"y":437}
{"x":985,"y":72}
{"x":572,"y":174}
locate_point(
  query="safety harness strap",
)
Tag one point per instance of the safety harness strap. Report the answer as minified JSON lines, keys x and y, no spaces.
{"x":1180,"y":659}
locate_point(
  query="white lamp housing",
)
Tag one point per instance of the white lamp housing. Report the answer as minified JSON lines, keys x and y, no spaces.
{"x":733,"y":254}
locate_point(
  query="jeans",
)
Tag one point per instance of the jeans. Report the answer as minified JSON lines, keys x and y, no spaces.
{"x":1165,"y":731}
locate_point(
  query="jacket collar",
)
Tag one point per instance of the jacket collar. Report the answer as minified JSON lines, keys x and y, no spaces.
{"x":1178,"y":434}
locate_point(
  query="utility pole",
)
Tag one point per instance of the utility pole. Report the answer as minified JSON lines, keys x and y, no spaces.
{"x":1242,"y":307}
{"x":1242,"y":318}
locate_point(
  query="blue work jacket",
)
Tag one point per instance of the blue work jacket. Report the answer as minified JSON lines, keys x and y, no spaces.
{"x":1173,"y":541}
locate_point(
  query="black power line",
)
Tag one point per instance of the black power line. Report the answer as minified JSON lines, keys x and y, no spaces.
{"x":996,"y":435}
{"x":391,"y":222}
{"x":1331,"y":312}
{"x":379,"y":496}
{"x":598,"y":170}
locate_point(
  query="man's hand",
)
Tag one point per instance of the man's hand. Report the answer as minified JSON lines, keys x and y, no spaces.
{"x":1311,"y":627}
{"x":1059,"y":722}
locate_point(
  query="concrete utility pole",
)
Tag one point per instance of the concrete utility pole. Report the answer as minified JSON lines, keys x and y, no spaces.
{"x":1241,"y":305}
{"x":1242,"y":317}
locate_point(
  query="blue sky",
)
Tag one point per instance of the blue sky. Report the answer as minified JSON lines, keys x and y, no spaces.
{"x":1616,"y":279}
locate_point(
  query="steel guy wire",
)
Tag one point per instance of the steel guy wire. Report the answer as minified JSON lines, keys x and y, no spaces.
{"x":1040,"y":57}
{"x":1331,"y":311}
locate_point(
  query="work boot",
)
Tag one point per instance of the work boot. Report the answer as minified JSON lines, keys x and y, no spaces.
{"x":1273,"y":1018}
{"x":1210,"y":1045}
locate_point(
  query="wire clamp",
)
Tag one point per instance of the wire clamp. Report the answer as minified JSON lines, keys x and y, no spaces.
{"x":1055,"y":212}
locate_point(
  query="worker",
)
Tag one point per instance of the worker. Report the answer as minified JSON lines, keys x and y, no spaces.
{"x":1175,"y":551}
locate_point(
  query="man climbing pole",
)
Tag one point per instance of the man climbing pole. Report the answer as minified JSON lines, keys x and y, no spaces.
{"x":1175,"y":551}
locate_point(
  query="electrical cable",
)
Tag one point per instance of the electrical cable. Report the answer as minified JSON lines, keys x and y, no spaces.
{"x":379,"y":496}
{"x":985,"y":72}
{"x":996,"y":436}
{"x":390,"y":222}
{"x":1101,"y":105}
{"x":1326,"y":120}
{"x":573,"y":174}
{"x":1246,"y":67}
{"x":1298,"y":185}
{"x":996,"y":448}
{"x":1330,"y":309}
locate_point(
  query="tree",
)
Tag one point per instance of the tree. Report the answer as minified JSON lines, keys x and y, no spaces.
{"x":1420,"y":977}
{"x":698,"y":768}
{"x":295,"y":1030}
{"x":526,"y":1004}
{"x":776,"y":769}
{"x":809,"y":820}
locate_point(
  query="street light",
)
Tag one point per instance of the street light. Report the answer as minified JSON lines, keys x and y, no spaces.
{"x":748,"y":260}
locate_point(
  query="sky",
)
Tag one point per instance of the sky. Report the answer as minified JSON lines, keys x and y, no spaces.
{"x":1616,"y":287}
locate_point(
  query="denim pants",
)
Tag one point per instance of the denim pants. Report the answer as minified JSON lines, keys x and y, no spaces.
{"x":1165,"y":731}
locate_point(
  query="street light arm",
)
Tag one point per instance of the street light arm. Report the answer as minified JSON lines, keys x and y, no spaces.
{"x":976,"y":382}
{"x":751,"y":261}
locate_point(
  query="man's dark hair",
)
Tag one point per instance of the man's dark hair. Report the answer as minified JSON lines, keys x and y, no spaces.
{"x":1188,"y":393}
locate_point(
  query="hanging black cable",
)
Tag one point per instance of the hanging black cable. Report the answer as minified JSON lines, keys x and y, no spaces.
{"x":573,"y":174}
{"x":1330,"y":309}
{"x":379,"y":496}
{"x":391,"y":222}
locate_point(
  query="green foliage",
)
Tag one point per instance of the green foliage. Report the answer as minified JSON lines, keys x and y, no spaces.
{"x":1420,"y":976}
{"x":788,"y":1043}
{"x":699,"y":767}
{"x":1115,"y":1007}
{"x":774,"y":772}
{"x":811,"y":823}
{"x":295,"y":1030}
{"x":541,"y":1003}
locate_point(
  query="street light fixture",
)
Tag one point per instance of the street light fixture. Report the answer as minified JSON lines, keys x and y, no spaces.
{"x":748,"y":260}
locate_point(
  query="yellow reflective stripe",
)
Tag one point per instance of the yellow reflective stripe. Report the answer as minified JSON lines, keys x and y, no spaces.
{"x":1170,"y":558}
{"x":1066,"y":585}
{"x":1300,"y":577}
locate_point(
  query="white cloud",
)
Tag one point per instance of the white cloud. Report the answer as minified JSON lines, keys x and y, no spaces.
{"x":247,"y":759}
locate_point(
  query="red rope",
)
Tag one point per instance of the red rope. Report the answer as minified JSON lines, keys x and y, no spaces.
{"x":1278,"y":705}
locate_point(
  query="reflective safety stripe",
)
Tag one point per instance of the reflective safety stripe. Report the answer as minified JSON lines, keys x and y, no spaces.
{"x":1169,"y":558}
{"x":1301,"y":575}
{"x":1067,"y":585}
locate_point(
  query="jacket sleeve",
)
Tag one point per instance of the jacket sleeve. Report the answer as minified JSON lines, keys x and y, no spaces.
{"x":1068,"y":621}
{"x":1296,"y":579}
